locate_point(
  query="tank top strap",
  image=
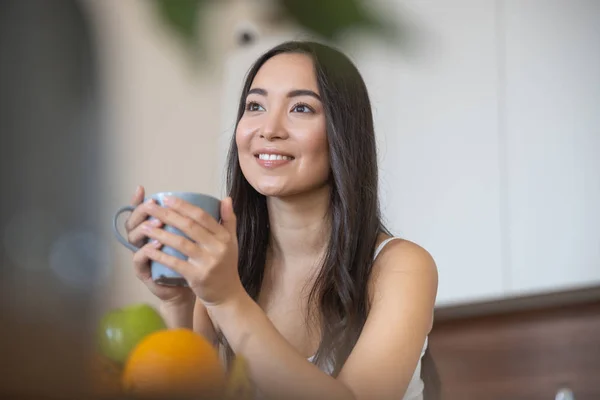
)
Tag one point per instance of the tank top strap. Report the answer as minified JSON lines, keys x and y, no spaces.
{"x":382,"y":245}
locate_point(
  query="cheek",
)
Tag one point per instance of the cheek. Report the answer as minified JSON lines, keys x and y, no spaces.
{"x":315,"y":155}
{"x":243,"y":134}
{"x":317,"y":145}
{"x":243,"y":140}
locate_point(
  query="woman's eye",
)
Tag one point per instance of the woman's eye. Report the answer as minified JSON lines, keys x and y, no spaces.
{"x":302,"y":108}
{"x":253,"y":106}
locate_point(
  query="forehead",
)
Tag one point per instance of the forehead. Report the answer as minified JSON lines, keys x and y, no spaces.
{"x":287,"y":71}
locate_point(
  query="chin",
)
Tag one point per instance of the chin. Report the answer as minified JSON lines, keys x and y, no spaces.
{"x":271,"y":191}
{"x":282,"y":191}
{"x":274,"y":188}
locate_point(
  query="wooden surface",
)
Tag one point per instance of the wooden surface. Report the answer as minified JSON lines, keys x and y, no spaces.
{"x":525,"y":355}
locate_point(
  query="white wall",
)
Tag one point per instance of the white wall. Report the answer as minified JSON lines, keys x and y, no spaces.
{"x":552,"y":95}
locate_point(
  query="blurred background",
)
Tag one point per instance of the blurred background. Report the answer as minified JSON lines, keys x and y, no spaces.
{"x":487,"y":115}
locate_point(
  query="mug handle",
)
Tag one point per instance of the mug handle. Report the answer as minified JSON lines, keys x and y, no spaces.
{"x":120,"y":237}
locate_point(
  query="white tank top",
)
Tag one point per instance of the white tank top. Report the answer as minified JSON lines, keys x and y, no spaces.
{"x":416,"y":386}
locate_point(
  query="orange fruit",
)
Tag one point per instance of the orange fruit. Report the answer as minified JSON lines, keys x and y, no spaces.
{"x":174,"y":364}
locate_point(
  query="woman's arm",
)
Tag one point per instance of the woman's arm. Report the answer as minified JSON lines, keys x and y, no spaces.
{"x":203,"y":324}
{"x":191,"y":315}
{"x":404,"y":288}
{"x":276,"y":367}
{"x":177,"y":315}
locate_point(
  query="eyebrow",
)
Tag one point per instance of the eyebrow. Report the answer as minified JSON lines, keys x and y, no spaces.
{"x":291,"y":93}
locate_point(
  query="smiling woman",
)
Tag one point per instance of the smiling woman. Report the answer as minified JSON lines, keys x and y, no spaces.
{"x":283,"y":117}
{"x":301,"y":276}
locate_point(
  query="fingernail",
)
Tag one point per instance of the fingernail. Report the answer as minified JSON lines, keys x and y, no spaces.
{"x":146,"y":228}
{"x":168,"y":200}
{"x":154,"y":243}
{"x":155,"y":222}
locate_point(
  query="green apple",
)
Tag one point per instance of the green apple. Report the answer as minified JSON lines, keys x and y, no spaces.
{"x":120,"y":330}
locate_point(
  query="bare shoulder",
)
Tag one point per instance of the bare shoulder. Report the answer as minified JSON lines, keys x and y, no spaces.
{"x":404,"y":255}
{"x":407,"y":264}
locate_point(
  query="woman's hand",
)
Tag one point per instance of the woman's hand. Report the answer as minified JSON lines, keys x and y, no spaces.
{"x":171,"y":295}
{"x":211,"y":269}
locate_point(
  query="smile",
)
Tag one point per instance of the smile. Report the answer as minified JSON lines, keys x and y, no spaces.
{"x":272,"y":157}
{"x":271,"y":160}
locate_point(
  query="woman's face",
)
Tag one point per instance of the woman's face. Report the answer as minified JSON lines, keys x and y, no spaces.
{"x":281,"y":138}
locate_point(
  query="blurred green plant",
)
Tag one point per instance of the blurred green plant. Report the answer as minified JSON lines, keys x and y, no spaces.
{"x":324,"y":18}
{"x":181,"y":16}
{"x":329,"y":18}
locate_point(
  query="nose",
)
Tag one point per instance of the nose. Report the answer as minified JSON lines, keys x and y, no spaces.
{"x":274,"y":127}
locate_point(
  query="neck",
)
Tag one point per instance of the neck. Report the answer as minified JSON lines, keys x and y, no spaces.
{"x":299,"y":225}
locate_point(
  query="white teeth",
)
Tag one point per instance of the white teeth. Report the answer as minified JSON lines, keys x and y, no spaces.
{"x":273,"y":157}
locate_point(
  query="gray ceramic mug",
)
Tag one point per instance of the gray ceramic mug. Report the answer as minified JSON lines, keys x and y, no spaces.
{"x":161,"y":273}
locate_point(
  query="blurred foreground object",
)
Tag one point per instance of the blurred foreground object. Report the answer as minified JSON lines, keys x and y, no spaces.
{"x":140,"y":358}
{"x":174,"y":364}
{"x":239,"y":385}
{"x":51,"y":254}
{"x":105,"y":377}
{"x":120,"y":330}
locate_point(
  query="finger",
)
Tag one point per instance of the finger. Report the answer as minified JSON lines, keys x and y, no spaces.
{"x":228,"y":217}
{"x":141,"y":261}
{"x":193,"y":212}
{"x":176,"y":264}
{"x":137,"y":235}
{"x":179,"y":243}
{"x":190,"y":227}
{"x":139,"y":215}
{"x":138,"y":196}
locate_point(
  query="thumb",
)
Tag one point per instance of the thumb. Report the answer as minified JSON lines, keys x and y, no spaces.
{"x":228,"y":216}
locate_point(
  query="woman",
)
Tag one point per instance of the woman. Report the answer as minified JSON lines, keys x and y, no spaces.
{"x":322,"y":301}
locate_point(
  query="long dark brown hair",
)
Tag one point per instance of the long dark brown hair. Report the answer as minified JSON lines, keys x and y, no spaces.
{"x":340,"y":290}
